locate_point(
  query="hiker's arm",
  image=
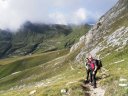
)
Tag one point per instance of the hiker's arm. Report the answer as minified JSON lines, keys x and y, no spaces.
{"x":95,"y":67}
{"x":86,"y":65}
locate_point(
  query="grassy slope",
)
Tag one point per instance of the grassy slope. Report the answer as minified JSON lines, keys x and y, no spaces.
{"x":22,"y":63}
{"x":116,"y":70}
{"x":58,"y":71}
{"x":25,"y":70}
{"x":65,"y":77}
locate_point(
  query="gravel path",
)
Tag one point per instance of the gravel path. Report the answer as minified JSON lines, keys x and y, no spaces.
{"x":97,"y":91}
{"x":90,"y":91}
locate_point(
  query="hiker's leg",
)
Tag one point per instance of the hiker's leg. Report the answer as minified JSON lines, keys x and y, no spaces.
{"x":95,"y":74}
{"x":94,"y":79}
{"x":87,"y":74}
{"x":91,"y":76}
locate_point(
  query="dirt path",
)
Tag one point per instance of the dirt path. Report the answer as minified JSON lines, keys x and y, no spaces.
{"x":97,"y":91}
{"x":90,"y":91}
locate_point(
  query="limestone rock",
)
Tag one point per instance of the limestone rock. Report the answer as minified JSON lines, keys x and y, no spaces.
{"x":32,"y":93}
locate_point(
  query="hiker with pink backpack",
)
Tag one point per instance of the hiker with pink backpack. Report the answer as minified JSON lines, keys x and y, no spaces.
{"x":93,"y":65}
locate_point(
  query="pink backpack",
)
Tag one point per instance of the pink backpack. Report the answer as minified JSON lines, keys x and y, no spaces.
{"x":92,"y":65}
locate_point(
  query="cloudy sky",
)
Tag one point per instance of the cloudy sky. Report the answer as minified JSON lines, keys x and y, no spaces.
{"x":13,"y":13}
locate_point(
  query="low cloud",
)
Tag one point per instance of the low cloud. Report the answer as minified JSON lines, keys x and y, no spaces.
{"x":58,"y":18}
{"x":76,"y":17}
{"x":13,"y":13}
{"x":79,"y":16}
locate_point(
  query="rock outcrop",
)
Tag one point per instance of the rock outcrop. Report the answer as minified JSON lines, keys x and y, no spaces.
{"x":111,"y":30}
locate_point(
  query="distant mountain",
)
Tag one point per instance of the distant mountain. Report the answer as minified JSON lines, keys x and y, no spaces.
{"x":5,"y":41}
{"x":38,"y":37}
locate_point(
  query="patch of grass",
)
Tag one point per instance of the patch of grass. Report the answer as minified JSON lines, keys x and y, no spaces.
{"x":70,"y":81}
{"x":22,"y":64}
{"x":116,"y":71}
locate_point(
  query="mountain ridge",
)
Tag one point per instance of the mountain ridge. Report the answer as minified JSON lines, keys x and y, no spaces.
{"x":35,"y":36}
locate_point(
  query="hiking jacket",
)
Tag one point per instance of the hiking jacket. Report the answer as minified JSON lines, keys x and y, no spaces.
{"x":95,"y":65}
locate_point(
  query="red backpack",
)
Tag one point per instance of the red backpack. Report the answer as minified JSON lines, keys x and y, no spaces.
{"x":92,"y":65}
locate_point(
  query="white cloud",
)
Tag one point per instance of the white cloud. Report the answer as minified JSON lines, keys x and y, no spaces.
{"x":81,"y":13}
{"x":3,"y":4}
{"x":79,"y":16}
{"x":76,"y":17}
{"x":13,"y":13}
{"x":58,"y":18}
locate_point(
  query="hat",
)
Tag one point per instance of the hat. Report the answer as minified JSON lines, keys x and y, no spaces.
{"x":90,"y":57}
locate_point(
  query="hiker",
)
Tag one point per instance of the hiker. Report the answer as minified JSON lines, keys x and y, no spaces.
{"x":93,"y":71}
{"x":87,"y":70}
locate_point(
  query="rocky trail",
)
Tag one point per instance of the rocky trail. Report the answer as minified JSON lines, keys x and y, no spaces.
{"x":90,"y":91}
{"x":99,"y":91}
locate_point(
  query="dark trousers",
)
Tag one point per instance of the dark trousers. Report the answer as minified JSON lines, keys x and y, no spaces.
{"x":88,"y":74}
{"x":93,"y":78}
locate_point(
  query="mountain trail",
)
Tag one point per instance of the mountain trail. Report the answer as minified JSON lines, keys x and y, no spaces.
{"x":99,"y":91}
{"x":90,"y":91}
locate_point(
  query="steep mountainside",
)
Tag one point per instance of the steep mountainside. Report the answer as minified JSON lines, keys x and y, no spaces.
{"x":110,"y":32}
{"x":108,"y":40}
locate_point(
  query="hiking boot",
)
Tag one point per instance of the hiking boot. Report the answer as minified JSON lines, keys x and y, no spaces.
{"x":91,"y":83}
{"x":86,"y":81}
{"x":94,"y":86}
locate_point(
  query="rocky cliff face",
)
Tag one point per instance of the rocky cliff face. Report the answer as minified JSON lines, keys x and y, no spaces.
{"x":110,"y":32}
